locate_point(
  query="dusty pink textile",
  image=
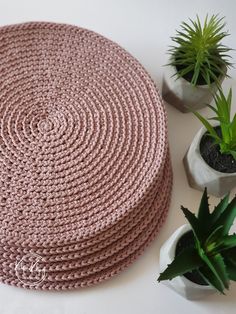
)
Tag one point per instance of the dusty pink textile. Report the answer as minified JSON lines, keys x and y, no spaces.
{"x":85,"y":175}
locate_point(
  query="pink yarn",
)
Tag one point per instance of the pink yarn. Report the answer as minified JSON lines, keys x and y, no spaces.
{"x":85,"y":174}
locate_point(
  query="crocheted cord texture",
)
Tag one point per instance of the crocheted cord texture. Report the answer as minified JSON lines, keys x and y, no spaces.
{"x":85,"y":174}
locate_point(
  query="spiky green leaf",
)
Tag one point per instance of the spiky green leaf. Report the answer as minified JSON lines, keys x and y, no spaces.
{"x":217,"y":271}
{"x":226,"y":218}
{"x":213,"y":238}
{"x":233,"y":127}
{"x":203,"y":211}
{"x":226,"y":242}
{"x":208,"y":126}
{"x":197,"y":227}
{"x":211,"y":279}
{"x":233,"y":153}
{"x":219,"y":209}
{"x":186,"y":261}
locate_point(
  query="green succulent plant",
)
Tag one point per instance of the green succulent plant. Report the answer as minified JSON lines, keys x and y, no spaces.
{"x":199,"y":55}
{"x":227,"y":138}
{"x":213,"y":255}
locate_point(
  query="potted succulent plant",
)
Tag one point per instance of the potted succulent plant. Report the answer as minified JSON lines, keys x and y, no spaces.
{"x":211,"y":158}
{"x":200,"y":258}
{"x":198,"y":64}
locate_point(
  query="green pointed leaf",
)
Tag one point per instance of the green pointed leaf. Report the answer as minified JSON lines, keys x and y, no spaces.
{"x":220,"y":208}
{"x":229,"y":100}
{"x":211,"y":279}
{"x":233,"y":127}
{"x":213,"y":109}
{"x":216,"y":264}
{"x":233,"y":153}
{"x":217,"y":268}
{"x":208,"y":126}
{"x":226,"y":218}
{"x":225,"y":129}
{"x":186,"y":261}
{"x":226,"y":242}
{"x":198,"y":229}
{"x":223,"y":106}
{"x":203,"y":211}
{"x":212,"y":239}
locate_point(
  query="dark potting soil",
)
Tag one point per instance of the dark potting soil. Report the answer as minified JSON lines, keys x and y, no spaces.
{"x":213,"y":157}
{"x":186,"y":241}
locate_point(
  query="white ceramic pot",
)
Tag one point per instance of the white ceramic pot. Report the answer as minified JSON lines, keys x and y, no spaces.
{"x":180,"y":284}
{"x":201,"y":175}
{"x":182,"y":94}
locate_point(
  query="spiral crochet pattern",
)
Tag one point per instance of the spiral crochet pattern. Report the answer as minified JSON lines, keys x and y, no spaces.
{"x":85,"y":175}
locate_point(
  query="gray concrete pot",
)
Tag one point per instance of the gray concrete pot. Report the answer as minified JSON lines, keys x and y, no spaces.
{"x":182,"y":94}
{"x":181,"y":285}
{"x":201,"y":175}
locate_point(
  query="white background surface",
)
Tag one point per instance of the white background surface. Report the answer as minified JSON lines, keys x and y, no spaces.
{"x":144,"y":29}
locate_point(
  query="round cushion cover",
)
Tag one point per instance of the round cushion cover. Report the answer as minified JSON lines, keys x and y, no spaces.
{"x":85,"y":175}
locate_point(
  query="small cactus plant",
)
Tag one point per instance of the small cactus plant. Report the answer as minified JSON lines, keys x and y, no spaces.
{"x":213,"y":254}
{"x":199,"y":53}
{"x":222,"y":109}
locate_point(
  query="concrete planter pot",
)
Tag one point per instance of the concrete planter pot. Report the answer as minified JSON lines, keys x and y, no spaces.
{"x":181,"y":285}
{"x":182,"y":95}
{"x":201,"y":175}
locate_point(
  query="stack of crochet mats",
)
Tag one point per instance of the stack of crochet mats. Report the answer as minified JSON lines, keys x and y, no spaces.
{"x":85,"y":176}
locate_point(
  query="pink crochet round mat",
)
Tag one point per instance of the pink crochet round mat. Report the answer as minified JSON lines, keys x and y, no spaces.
{"x":85,"y":175}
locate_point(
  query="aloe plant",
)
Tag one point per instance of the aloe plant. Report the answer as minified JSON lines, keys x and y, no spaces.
{"x":213,"y":255}
{"x":227,"y":139}
{"x":199,"y":53}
